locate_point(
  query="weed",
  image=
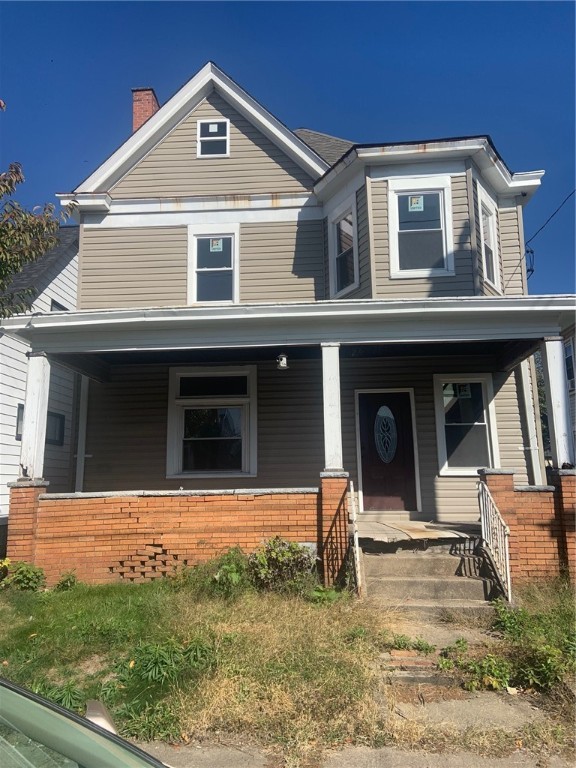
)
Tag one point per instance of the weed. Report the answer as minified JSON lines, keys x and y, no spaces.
{"x":324,"y":595}
{"x":25,"y":577}
{"x":68,"y":580}
{"x":282,"y":566}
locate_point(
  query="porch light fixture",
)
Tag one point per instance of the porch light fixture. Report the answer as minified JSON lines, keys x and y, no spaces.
{"x":282,"y":362}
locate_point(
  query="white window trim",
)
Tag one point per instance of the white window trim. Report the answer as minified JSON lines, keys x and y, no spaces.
{"x":211,"y":230}
{"x":485,"y":379}
{"x":175,"y":422}
{"x":424,"y":184}
{"x":215,"y":138}
{"x":349,"y":206}
{"x":485,"y":201}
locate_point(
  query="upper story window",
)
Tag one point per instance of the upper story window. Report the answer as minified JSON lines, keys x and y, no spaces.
{"x":420,"y":217}
{"x":55,"y":306}
{"x":343,"y":249}
{"x":569,"y":360}
{"x":213,"y":138}
{"x":489,"y":239}
{"x":213,"y":265}
{"x":212,"y":421}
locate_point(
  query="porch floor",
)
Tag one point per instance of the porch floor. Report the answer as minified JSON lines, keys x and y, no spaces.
{"x":410,"y":530}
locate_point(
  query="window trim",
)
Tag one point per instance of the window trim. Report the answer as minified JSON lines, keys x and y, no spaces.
{"x":61,"y":420}
{"x":175,"y":419}
{"x":485,"y":379}
{"x":569,"y":352}
{"x":208,"y":230}
{"x":486,"y":202}
{"x":335,"y":217}
{"x":199,"y":140}
{"x":424,"y":185}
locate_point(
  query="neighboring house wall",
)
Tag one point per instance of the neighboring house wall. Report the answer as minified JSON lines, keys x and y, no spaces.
{"x":61,"y":287}
{"x":172,"y":169}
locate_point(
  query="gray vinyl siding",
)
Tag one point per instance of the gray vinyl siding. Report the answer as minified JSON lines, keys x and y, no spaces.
{"x":137,"y":267}
{"x":172,"y":169}
{"x":460,"y":284}
{"x":512,"y":251}
{"x":326,"y":259}
{"x":127,"y":428}
{"x":282,"y":261}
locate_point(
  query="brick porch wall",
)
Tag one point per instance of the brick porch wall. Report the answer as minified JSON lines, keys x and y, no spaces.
{"x":142,"y":536}
{"x":541,"y":521}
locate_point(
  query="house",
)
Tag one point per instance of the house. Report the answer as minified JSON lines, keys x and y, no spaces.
{"x":265,"y":314}
{"x":54,"y":278}
{"x":569,"y":348}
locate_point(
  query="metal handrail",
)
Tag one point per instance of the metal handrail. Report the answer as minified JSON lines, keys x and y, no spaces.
{"x":495,"y":535}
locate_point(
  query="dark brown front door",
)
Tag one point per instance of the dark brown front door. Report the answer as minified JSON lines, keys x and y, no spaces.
{"x":387,"y":451}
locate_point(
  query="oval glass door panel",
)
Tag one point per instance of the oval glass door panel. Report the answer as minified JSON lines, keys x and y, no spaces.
{"x":385,"y":434}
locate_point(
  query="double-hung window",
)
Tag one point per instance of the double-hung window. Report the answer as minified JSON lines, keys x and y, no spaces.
{"x":569,"y":360}
{"x":213,"y":138}
{"x":343,"y":248}
{"x":420,"y":218}
{"x":212,"y":422}
{"x":213,"y":264}
{"x":489,"y":239}
{"x":465,"y":423}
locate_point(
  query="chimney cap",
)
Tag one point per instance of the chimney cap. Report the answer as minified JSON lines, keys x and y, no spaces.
{"x":143,"y":88}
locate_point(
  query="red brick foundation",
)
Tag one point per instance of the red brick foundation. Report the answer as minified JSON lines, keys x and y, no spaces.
{"x":107,"y":537}
{"x":541,"y":521}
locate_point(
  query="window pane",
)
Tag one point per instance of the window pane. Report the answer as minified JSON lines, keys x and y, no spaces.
{"x":467,"y":445}
{"x":55,"y":428}
{"x":212,"y":456}
{"x":344,"y":234}
{"x":213,"y":252}
{"x":569,"y":355}
{"x":214,"y":286}
{"x":218,"y":147}
{"x":419,"y":211}
{"x":463,"y":403}
{"x":213,"y":386}
{"x":344,"y":270}
{"x":421,"y":250}
{"x":211,"y":130}
{"x":487,"y":233}
{"x":212,"y":423}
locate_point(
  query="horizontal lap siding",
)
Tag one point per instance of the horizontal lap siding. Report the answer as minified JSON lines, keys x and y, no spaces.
{"x":137,"y":267}
{"x":282,"y":261}
{"x":127,"y":430}
{"x":512,"y":253}
{"x":461,"y":284}
{"x":255,"y":165}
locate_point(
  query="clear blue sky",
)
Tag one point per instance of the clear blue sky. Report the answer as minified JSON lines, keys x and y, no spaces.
{"x":366,"y":71}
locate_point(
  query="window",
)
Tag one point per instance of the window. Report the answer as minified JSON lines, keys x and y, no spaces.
{"x":55,"y":306}
{"x":489,"y":238}
{"x":569,"y":359}
{"x":343,"y":248}
{"x":212,"y":422}
{"x":55,"y":424}
{"x":213,"y":265}
{"x":420,"y":213}
{"x":465,"y":424}
{"x":213,"y":138}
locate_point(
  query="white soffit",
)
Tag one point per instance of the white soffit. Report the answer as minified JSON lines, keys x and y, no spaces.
{"x":178,"y":107}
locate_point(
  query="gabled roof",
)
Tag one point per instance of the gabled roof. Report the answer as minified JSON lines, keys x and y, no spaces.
{"x":331,"y":148}
{"x":36,"y":273}
{"x":209,"y":78}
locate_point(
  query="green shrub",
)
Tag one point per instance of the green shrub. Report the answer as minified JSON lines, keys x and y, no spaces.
{"x":225,"y":576}
{"x":282,"y":566}
{"x":25,"y":577}
{"x":68,"y":580}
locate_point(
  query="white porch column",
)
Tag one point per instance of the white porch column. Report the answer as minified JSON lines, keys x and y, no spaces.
{"x":557,"y":403}
{"x":81,"y":443}
{"x":331,"y":399}
{"x":35,"y":414}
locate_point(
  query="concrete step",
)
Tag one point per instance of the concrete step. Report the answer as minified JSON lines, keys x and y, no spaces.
{"x":414,"y":564}
{"x":407,"y":588}
{"x":437,"y":610}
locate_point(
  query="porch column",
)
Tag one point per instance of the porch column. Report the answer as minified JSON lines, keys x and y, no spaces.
{"x":35,"y":414}
{"x":557,"y":404}
{"x":331,"y":399}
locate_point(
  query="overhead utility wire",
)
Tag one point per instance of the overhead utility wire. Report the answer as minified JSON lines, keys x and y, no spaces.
{"x":551,"y":217}
{"x":528,"y":252}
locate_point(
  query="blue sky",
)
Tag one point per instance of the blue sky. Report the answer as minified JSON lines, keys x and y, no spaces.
{"x":366,"y":71}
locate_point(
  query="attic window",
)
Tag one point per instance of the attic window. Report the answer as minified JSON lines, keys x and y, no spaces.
{"x":213,"y":138}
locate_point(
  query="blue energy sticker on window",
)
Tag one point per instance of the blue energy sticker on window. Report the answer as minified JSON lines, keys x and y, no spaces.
{"x":415,"y":203}
{"x":215,"y":245}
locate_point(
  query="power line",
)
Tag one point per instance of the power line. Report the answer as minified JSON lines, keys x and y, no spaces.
{"x":550,"y":217}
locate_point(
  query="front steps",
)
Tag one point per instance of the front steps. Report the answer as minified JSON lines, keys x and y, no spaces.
{"x":431,"y":578}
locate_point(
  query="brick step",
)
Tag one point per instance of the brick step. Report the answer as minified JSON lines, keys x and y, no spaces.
{"x":403,"y":590}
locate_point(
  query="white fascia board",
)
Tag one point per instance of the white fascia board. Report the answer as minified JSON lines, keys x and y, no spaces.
{"x":346,"y":322}
{"x":93,"y":202}
{"x":181,"y":104}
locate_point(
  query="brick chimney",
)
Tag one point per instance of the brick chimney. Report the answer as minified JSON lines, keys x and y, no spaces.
{"x":144,"y":105}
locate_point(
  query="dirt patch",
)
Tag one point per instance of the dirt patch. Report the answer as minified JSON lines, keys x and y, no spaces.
{"x":425,"y":693}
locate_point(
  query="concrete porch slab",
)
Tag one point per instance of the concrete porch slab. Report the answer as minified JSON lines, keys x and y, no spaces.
{"x":413,"y":530}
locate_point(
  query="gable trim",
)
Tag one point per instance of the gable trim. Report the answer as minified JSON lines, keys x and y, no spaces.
{"x":209,"y":78}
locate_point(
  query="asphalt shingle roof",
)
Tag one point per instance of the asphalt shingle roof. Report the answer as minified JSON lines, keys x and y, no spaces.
{"x":33,"y":274}
{"x":330,"y":148}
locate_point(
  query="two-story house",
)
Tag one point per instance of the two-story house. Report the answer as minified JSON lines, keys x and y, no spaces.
{"x":263,"y":313}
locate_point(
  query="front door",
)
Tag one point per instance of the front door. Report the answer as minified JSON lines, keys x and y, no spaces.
{"x":387,"y":459}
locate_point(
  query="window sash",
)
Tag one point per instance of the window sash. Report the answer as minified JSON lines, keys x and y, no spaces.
{"x":214,"y":283}
{"x":206,"y":142}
